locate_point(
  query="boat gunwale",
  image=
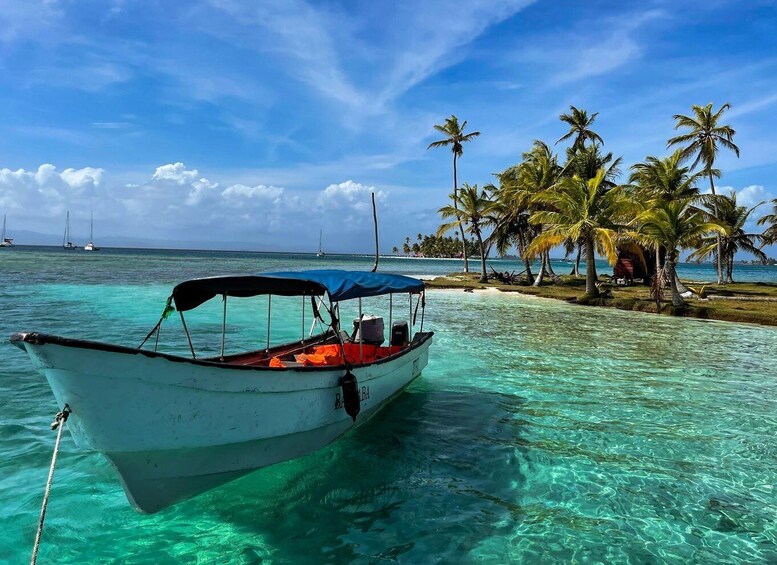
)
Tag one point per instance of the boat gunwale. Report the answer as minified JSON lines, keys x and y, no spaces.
{"x":38,"y":338}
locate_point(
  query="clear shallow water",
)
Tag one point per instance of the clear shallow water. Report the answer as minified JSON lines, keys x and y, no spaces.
{"x":539,"y":431}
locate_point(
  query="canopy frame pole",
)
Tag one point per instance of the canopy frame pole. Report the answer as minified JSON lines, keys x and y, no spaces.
{"x":361,"y":334}
{"x":313,"y":323}
{"x":269,"y":317}
{"x":303,"y":318}
{"x":224,"y":327}
{"x":334,"y":312}
{"x":423,"y":309}
{"x":188,"y":337}
{"x":391,"y":311}
{"x":410,"y":319}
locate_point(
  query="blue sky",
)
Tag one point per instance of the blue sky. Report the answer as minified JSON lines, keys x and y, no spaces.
{"x":255,"y":124}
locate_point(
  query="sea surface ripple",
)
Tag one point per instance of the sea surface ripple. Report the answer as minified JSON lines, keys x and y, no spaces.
{"x":540,"y":432}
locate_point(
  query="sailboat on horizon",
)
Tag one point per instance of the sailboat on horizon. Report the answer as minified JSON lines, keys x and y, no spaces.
{"x":91,"y":246}
{"x":66,"y":243}
{"x":320,"y":244}
{"x":5,"y":241}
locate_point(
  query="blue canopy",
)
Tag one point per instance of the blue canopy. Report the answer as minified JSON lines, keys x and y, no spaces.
{"x":344,"y":285}
{"x":340,"y":285}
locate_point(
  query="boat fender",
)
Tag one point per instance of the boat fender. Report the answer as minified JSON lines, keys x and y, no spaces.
{"x":350,"y":394}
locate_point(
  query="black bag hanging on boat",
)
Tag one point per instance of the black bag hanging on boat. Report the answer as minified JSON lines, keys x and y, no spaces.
{"x":351,"y":399}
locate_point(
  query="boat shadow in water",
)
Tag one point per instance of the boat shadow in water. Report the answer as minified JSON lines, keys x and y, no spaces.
{"x":441,"y":470}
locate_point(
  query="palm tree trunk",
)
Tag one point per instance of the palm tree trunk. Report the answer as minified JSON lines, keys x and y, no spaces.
{"x":677,"y":300}
{"x":483,"y":274}
{"x":541,"y":273}
{"x":576,"y":268}
{"x":719,"y":261}
{"x":657,"y":284}
{"x":521,"y":252}
{"x":730,"y":267}
{"x":548,"y":266}
{"x":590,"y":269}
{"x":529,"y":275}
{"x":456,"y":207}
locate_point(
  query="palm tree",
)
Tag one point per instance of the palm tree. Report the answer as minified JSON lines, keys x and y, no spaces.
{"x":395,"y":250}
{"x":733,"y":218}
{"x":674,"y":224}
{"x":770,"y":233}
{"x":580,"y":127}
{"x":660,"y":180}
{"x":585,"y":210}
{"x":455,"y":137}
{"x":703,"y":142}
{"x":511,"y":226}
{"x":537,"y":173}
{"x":664,"y":179}
{"x":472,"y":206}
{"x":585,"y":162}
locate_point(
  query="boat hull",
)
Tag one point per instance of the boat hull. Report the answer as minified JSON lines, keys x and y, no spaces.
{"x":175,"y":427}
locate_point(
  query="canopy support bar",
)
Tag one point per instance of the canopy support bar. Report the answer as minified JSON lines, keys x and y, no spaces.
{"x":224,"y":327}
{"x":391,"y":312}
{"x":269,"y":315}
{"x":303,"y":319}
{"x":423,"y":309}
{"x":188,"y":337}
{"x":361,"y":334}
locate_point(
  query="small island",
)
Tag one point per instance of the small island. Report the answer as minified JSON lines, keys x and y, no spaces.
{"x":666,"y":210}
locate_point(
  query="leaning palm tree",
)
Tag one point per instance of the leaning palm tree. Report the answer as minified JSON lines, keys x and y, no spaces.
{"x":509,"y":219}
{"x":702,"y":143}
{"x":580,"y":128}
{"x":580,"y":209}
{"x":471,"y":208}
{"x":455,"y":138}
{"x":733,"y":218}
{"x":674,"y":225}
{"x":770,"y":233}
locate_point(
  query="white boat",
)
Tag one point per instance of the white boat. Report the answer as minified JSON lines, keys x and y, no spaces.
{"x":176,"y":426}
{"x":5,"y":241}
{"x":91,"y":246}
{"x":320,"y":244}
{"x":66,"y":243}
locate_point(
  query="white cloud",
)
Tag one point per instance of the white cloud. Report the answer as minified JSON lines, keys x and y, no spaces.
{"x":46,"y":191}
{"x":22,"y":19}
{"x":111,"y":125}
{"x":178,"y":203}
{"x":349,"y":195}
{"x":323,"y":47}
{"x":595,"y":49}
{"x":90,"y":77}
{"x":240,"y":192}
{"x":752,"y":195}
{"x":79,"y":178}
{"x":176,"y":173}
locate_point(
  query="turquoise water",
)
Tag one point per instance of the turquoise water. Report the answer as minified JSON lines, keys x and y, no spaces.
{"x":539,"y":432}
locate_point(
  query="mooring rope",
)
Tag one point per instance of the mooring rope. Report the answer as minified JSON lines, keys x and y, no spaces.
{"x":58,"y":424}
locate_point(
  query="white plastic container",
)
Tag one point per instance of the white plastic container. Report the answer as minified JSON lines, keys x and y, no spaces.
{"x":372,"y":329}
